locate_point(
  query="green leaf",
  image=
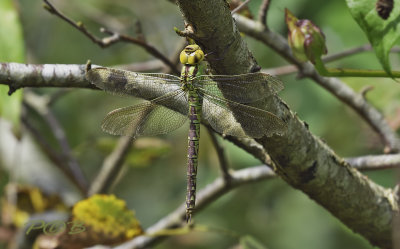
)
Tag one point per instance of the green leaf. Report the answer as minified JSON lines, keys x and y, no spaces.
{"x":11,"y":50}
{"x":382,"y":34}
{"x":249,"y":242}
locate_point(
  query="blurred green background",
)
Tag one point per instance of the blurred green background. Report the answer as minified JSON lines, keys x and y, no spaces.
{"x":271,"y":211}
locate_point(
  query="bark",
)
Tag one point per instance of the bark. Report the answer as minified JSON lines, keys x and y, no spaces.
{"x":302,"y":159}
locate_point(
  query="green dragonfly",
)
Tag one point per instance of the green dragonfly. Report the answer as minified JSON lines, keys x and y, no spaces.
{"x":172,"y":100}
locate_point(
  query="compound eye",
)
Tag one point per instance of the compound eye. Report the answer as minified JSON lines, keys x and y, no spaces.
{"x":196,"y":57}
{"x":183,"y":57}
{"x":191,"y":55}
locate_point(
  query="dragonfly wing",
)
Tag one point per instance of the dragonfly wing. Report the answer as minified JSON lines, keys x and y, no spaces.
{"x":242,"y":88}
{"x":254,"y":122}
{"x":121,"y":82}
{"x":147,"y":118}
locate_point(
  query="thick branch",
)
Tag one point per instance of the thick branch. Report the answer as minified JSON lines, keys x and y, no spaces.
{"x":218,"y":37}
{"x":302,"y":159}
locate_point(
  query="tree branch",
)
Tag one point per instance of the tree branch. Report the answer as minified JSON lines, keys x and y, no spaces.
{"x":223,"y":164}
{"x":217,"y":189}
{"x":71,"y":165}
{"x":52,"y":154}
{"x":288,"y":69}
{"x":111,"y":167}
{"x":375,"y":162}
{"x":17,"y":75}
{"x":262,"y":13}
{"x":240,"y":7}
{"x":343,"y":92}
{"x":206,"y":196}
{"x":113,"y":38}
{"x":302,"y":159}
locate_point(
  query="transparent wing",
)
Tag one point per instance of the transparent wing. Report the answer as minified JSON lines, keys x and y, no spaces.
{"x":242,"y":88}
{"x":254,"y":121}
{"x":121,"y":82}
{"x":148,"y":118}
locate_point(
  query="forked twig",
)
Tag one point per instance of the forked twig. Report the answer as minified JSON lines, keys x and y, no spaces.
{"x":64,"y":159}
{"x":52,"y":154}
{"x":112,"y":39}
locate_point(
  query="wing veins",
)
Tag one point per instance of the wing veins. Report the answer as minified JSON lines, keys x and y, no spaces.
{"x":145,"y":118}
{"x":255,"y":118}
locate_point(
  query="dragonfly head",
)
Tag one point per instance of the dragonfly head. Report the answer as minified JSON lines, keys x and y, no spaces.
{"x":191,"y":55}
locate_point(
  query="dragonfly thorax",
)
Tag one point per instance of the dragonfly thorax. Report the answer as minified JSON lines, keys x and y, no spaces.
{"x":191,"y":55}
{"x":187,"y":75}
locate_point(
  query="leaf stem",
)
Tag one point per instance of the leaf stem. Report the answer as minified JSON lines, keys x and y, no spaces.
{"x":349,"y":72}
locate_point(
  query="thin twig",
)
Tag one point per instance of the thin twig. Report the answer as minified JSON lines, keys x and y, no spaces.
{"x":139,"y":31}
{"x":289,"y":69}
{"x":354,"y":51}
{"x":41,"y":106}
{"x":346,"y":53}
{"x":262,"y":13}
{"x":223,"y":163}
{"x":377,"y":162}
{"x":112,"y":39}
{"x":52,"y":154}
{"x":241,"y":6}
{"x":112,"y":166}
{"x":282,"y":70}
{"x":104,"y":18}
{"x":142,"y":43}
{"x":78,"y":25}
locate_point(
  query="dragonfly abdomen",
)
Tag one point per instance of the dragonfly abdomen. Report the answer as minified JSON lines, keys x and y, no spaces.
{"x":193,"y":149}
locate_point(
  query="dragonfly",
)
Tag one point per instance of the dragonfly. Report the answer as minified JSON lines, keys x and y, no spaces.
{"x":221,"y":100}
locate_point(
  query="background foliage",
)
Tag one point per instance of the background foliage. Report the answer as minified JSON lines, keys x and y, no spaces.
{"x":289,"y":218}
